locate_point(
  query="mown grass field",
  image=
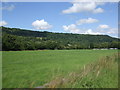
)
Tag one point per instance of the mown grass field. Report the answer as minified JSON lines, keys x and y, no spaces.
{"x":30,"y":69}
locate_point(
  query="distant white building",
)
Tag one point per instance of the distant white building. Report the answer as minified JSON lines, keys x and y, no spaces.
{"x":104,"y":48}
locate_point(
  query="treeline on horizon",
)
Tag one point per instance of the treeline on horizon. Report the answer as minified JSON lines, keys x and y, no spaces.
{"x":19,"y":39}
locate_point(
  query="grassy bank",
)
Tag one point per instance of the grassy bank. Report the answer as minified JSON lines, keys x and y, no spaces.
{"x":29,"y":69}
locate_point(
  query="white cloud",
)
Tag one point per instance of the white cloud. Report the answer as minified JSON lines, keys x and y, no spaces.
{"x":8,"y":7}
{"x":3,"y":23}
{"x":103,"y":26}
{"x":84,"y":7}
{"x":89,"y":20}
{"x":110,"y":31}
{"x":90,"y":31}
{"x":102,"y":29}
{"x":71,"y":28}
{"x":107,"y":30}
{"x":98,"y":10}
{"x":41,"y":25}
{"x":113,"y":31}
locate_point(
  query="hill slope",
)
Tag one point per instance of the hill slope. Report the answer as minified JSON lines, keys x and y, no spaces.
{"x":49,"y":40}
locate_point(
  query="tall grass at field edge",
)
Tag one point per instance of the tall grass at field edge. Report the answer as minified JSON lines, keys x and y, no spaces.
{"x":100,"y":74}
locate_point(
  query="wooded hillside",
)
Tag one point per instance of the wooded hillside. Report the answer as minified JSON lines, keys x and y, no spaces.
{"x":20,"y":39}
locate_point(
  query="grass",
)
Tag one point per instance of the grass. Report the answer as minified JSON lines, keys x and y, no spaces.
{"x":99,"y":74}
{"x":29,"y":69}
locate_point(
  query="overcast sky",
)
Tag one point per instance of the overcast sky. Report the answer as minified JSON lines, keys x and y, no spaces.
{"x":66,"y":17}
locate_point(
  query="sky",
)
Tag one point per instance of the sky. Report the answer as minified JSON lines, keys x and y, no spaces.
{"x":63,"y":17}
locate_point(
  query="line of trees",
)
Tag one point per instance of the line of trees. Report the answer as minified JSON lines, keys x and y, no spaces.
{"x":19,"y":39}
{"x":13,"y":42}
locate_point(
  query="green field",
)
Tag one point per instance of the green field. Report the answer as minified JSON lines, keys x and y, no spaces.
{"x":29,"y":69}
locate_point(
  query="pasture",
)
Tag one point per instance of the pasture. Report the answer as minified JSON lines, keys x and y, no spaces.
{"x":30,"y":69}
